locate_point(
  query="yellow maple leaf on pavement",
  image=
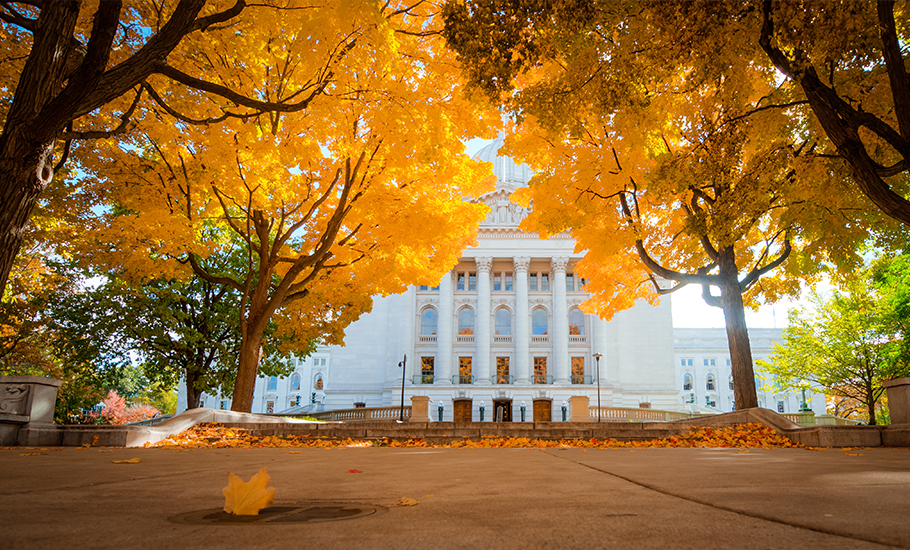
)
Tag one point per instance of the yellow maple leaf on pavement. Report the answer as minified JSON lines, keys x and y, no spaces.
{"x":247,"y":498}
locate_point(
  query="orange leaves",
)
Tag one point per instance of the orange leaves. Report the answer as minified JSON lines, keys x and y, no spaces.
{"x":127,"y":461}
{"x":247,"y":498}
{"x":752,"y":435}
{"x":354,"y":471}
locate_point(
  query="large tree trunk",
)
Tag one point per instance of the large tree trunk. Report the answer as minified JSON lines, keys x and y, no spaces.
{"x":731,"y":299}
{"x":192,"y":393}
{"x":250,"y":351}
{"x":19,"y":192}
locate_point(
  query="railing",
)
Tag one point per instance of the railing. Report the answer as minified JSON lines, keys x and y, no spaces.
{"x":613,"y":414}
{"x":422,"y":379}
{"x":502,"y":379}
{"x":576,"y":339}
{"x":363,"y":414}
{"x":806,"y":418}
{"x":831,"y":420}
{"x":582,"y":379}
{"x":465,"y":339}
{"x":541,"y":379}
{"x":540,"y":339}
{"x":502,"y":339}
{"x":463,"y":379}
{"x":427,"y":339}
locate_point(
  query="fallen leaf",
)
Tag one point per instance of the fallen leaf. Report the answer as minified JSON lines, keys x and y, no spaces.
{"x":428,"y":496}
{"x":247,"y":498}
{"x":31,"y":454}
{"x":353,"y":471}
{"x":854,"y":454}
{"x":129,"y":461}
{"x":405,"y":501}
{"x":633,"y":451}
{"x":293,"y":452}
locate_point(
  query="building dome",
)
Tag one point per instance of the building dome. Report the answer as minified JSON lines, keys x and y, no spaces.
{"x":506,"y":170}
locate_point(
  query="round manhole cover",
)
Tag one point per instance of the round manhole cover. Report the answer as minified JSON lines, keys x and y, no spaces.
{"x":300,"y":513}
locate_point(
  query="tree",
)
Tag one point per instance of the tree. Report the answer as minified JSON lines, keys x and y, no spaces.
{"x":668,"y":168}
{"x":360,"y":194}
{"x":846,"y":60}
{"x":847,"y":344}
{"x":79,"y":70}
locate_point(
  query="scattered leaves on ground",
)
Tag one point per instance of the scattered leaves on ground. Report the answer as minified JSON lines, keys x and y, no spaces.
{"x":405,"y":501}
{"x":353,"y":471}
{"x":247,"y":498}
{"x":128,"y":461}
{"x":213,"y":435}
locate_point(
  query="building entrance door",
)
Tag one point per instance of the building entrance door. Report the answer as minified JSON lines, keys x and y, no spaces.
{"x":462,"y":410}
{"x":543,"y":410}
{"x":502,"y":410}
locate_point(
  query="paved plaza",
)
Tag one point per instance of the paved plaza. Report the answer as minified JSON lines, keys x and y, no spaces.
{"x":468,"y":498}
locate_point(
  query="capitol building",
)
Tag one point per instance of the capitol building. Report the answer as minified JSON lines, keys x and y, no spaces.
{"x":503,"y":333}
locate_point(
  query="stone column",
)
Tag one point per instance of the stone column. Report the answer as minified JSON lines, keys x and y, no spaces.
{"x":521,"y":332}
{"x":443,"y":368}
{"x":898,"y":399}
{"x":560,"y":321}
{"x":598,"y":345}
{"x":483,"y":334}
{"x":408,"y":332}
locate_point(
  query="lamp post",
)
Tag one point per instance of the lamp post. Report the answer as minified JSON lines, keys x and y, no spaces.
{"x":597,"y":357}
{"x":482,"y":409}
{"x":403,"y":364}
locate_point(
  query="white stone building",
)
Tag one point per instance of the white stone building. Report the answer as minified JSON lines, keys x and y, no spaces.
{"x":501,"y":331}
{"x":704,"y":377}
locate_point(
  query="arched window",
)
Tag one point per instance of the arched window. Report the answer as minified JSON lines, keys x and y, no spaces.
{"x":576,"y":322}
{"x":273,"y":383}
{"x":428,"y":321}
{"x":731,"y":381}
{"x":503,"y":322}
{"x":318,"y":384}
{"x":539,"y":321}
{"x":295,"y":382}
{"x":466,"y":321}
{"x":687,"y":381}
{"x":709,"y":383}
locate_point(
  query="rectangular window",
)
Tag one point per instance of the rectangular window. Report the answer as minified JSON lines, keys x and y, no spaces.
{"x":464,"y":366}
{"x":464,"y":371}
{"x":472,"y":281}
{"x":532,"y":281}
{"x":581,"y":284}
{"x":729,"y":363}
{"x":424,"y":287}
{"x":544,"y":282}
{"x":269,"y":407}
{"x":540,"y":370}
{"x":686,"y":362}
{"x":710,"y":362}
{"x":780,"y":406}
{"x":570,"y":282}
{"x":497,"y":281}
{"x":427,"y":365}
{"x":460,"y":285}
{"x":508,"y":283}
{"x":427,"y":369}
{"x":578,"y":370}
{"x":435,"y":288}
{"x":502,"y":370}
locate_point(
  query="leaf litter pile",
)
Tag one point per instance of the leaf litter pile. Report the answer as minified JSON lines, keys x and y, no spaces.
{"x":213,"y":435}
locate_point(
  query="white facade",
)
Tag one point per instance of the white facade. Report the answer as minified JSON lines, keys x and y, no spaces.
{"x":501,"y":330}
{"x":704,"y":377}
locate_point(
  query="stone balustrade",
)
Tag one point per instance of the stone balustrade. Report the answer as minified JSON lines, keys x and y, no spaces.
{"x":363,"y":414}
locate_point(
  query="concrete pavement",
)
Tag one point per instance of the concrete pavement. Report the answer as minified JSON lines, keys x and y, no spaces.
{"x":503,"y":498}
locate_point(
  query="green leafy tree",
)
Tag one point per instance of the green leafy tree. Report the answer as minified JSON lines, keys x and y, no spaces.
{"x":847,"y":344}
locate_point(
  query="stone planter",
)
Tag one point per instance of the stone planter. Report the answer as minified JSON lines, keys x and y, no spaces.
{"x":26,"y":402}
{"x":898,"y":399}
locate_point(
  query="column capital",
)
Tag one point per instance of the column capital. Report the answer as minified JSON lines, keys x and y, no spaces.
{"x":521,"y":263}
{"x":559,"y":264}
{"x":484,"y":264}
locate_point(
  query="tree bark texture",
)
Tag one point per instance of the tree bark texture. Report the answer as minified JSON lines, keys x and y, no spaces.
{"x":737,"y":333}
{"x":247,"y":372}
